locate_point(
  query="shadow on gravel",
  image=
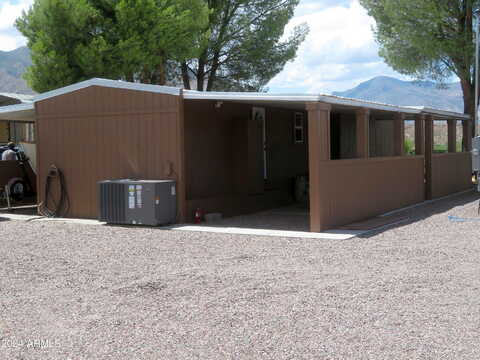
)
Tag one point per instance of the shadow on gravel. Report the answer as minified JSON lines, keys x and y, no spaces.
{"x":423,"y":212}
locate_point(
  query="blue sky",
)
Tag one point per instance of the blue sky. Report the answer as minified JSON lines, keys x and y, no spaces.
{"x":339,"y":53}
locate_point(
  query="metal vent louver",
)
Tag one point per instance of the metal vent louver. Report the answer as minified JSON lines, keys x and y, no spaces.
{"x":137,"y":202}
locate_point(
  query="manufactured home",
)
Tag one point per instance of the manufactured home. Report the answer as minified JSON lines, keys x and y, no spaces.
{"x":240,"y":153}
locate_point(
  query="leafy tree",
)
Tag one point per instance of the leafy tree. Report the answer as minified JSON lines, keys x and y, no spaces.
{"x":242,"y":47}
{"x":428,"y":39}
{"x":409,"y":147}
{"x":74,"y":40}
{"x":153,"y":32}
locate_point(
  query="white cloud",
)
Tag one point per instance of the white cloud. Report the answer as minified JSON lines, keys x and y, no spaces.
{"x":339,"y":53}
{"x":10,"y":10}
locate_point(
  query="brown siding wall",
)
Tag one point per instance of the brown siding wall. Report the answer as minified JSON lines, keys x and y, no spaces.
{"x":381,"y":138}
{"x":4,"y":132}
{"x":353,"y":190}
{"x":101,"y":133}
{"x":348,"y":136}
{"x":451,"y":173}
{"x":223,"y":153}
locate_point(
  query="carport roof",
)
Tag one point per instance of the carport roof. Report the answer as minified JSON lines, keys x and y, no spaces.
{"x":20,"y":112}
{"x":14,"y":98}
{"x":329,"y":99}
{"x":25,"y":112}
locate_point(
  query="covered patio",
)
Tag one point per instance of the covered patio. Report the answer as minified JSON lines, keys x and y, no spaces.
{"x":357,"y":165}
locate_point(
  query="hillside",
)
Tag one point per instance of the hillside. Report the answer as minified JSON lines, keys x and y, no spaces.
{"x":408,"y":93}
{"x":12,"y":66}
{"x":380,"y":89}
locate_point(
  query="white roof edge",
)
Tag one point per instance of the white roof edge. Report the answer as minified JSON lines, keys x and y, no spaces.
{"x":242,"y":96}
{"x":24,"y":98}
{"x":440,"y":112}
{"x":111,"y":84}
{"x":330,"y":99}
{"x":336,"y":100}
{"x":17,"y":107}
{"x":246,"y":96}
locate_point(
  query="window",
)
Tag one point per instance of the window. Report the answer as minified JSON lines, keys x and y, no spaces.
{"x":298,"y":128}
{"x":30,"y":133}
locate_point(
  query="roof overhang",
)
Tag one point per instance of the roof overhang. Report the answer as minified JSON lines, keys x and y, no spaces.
{"x":20,"y":112}
{"x":25,"y":112}
{"x":117,"y":84}
{"x":13,"y":99}
{"x":440,"y":114}
{"x":297,"y":101}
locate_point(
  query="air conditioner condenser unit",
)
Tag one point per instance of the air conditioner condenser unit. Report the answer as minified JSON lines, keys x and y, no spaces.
{"x":138,"y":202}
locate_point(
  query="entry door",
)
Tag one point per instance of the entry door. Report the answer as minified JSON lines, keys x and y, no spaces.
{"x":259,"y":118}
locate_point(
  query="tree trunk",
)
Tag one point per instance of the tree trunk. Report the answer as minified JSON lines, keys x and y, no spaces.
{"x":468,"y":90}
{"x":162,"y":73}
{"x":468,"y":85}
{"x":213,"y":72}
{"x":185,"y":75}
{"x":468,"y":97}
{"x":202,"y":61}
{"x":201,"y":75}
{"x":145,"y":76}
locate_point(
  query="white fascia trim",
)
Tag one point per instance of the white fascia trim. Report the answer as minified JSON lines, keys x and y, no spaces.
{"x":247,"y":96}
{"x":334,"y":100}
{"x":110,"y":84}
{"x":15,"y":108}
{"x":24,"y":98}
{"x":446,"y":113}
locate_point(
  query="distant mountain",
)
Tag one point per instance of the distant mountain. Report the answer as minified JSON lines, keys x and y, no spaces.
{"x":392,"y":91}
{"x":12,"y":66}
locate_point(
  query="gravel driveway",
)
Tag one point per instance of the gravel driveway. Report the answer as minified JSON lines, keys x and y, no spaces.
{"x":97,"y":292}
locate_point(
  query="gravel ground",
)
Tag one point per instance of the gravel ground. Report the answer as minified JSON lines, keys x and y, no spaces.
{"x":96,"y":292}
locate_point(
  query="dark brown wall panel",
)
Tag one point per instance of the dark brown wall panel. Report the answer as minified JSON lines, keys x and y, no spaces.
{"x":451,"y":173}
{"x":382,"y":136}
{"x":101,"y":133}
{"x":353,"y":190}
{"x":9,"y":170}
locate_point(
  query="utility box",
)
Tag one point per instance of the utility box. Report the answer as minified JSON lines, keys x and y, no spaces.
{"x":476,"y":153}
{"x":476,"y":161}
{"x":138,"y":202}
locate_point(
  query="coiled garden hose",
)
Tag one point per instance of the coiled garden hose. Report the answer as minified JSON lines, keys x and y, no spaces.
{"x":50,"y":207}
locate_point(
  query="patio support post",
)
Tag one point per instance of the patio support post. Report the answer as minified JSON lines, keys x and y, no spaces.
{"x":428,"y":155}
{"x":420,"y":134}
{"x":319,"y":152}
{"x":467,"y":134}
{"x":452,"y":135}
{"x":399,"y":134}
{"x":363,"y":140}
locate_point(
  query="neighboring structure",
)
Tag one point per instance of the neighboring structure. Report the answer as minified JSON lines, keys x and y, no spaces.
{"x":11,"y":130}
{"x":239,"y":153}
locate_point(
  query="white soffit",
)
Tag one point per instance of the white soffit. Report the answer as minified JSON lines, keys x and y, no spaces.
{"x":20,"y":112}
{"x":267,"y":97}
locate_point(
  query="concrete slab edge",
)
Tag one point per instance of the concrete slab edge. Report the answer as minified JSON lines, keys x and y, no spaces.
{"x":425,"y":203}
{"x":37,"y":218}
{"x":328,"y":235}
